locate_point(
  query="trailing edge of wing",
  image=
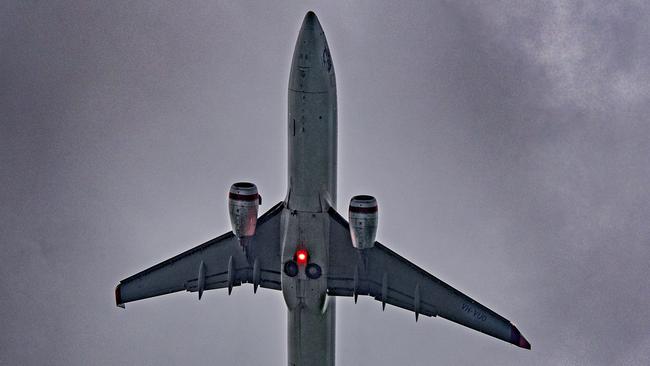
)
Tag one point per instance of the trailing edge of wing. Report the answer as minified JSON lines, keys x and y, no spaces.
{"x":218,"y":263}
{"x":385,"y":275}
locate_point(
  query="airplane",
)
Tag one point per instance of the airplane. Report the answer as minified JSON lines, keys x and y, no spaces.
{"x":302,"y":246}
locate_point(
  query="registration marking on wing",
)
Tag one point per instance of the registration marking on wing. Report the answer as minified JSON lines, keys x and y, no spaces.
{"x":479,"y":315}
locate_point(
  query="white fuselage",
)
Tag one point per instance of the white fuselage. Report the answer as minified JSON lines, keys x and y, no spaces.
{"x":312,"y":133}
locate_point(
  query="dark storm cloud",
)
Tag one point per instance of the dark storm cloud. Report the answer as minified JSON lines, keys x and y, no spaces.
{"x":523,"y":122}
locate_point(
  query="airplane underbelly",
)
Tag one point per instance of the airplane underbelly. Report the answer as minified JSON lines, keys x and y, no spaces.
{"x":311,"y":313}
{"x":312,"y":150}
{"x":305,"y":260}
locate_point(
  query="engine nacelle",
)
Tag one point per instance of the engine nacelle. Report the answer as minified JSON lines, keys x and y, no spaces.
{"x":363,"y":216}
{"x":243,"y":202}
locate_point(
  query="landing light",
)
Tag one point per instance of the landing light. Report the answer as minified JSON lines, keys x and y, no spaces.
{"x":302,"y":256}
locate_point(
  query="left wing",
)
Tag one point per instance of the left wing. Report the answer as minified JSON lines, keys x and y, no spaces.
{"x":218,"y":263}
{"x":392,"y":279}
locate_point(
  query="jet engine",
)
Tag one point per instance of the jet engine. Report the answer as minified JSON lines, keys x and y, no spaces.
{"x":363,"y":221}
{"x":243,"y":202}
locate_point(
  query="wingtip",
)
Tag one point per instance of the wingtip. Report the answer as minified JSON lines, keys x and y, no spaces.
{"x":118,"y":296}
{"x":518,"y":339}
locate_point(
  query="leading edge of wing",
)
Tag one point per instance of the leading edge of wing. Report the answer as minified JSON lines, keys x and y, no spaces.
{"x":515,"y":337}
{"x":265,"y":217}
{"x":336,"y":216}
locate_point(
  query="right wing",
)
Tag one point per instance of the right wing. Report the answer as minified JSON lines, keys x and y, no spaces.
{"x":390,"y":278}
{"x":218,"y":263}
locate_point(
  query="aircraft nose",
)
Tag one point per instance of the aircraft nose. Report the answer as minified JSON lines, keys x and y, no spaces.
{"x":310,"y":23}
{"x":311,"y":68}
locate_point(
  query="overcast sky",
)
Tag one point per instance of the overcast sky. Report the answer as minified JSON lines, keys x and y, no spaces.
{"x":507,"y":143}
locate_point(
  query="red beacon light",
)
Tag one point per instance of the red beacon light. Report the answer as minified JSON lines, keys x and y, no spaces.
{"x":302,"y":256}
